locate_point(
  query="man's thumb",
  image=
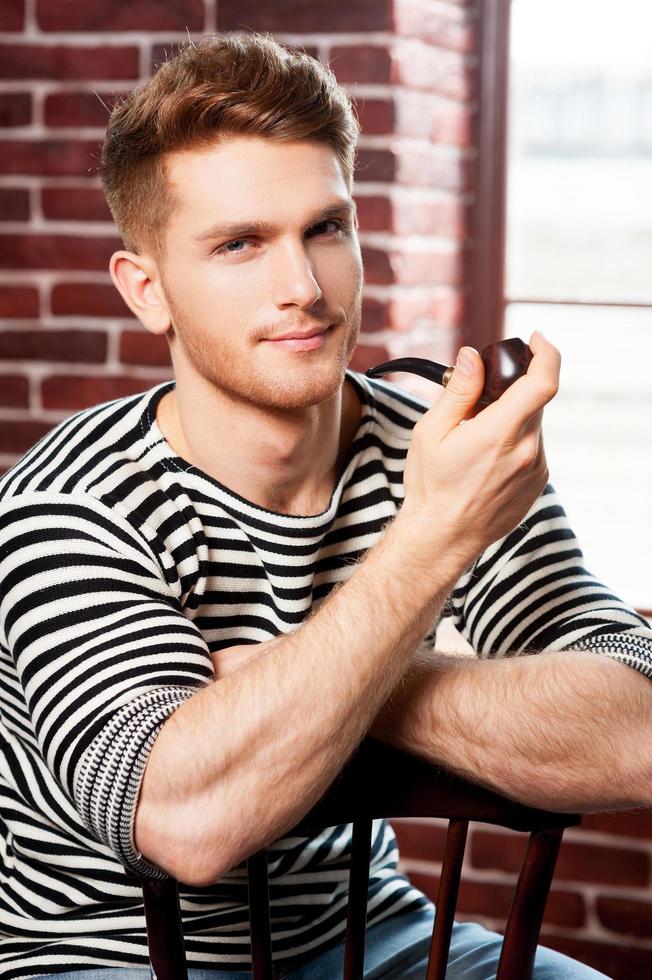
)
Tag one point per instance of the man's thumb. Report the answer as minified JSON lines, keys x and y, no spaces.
{"x":463,"y":389}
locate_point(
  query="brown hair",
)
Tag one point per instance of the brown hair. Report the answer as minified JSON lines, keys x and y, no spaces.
{"x":223,"y":85}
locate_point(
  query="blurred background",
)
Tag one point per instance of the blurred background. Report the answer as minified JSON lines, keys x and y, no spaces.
{"x":502,"y":185}
{"x":579,"y":260}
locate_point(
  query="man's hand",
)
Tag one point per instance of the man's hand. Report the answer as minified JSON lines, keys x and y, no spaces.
{"x":482,"y":477}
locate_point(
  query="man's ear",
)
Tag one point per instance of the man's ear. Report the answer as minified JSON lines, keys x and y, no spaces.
{"x":136,"y":279}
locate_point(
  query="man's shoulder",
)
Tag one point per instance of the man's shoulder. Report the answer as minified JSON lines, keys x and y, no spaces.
{"x":81,"y":452}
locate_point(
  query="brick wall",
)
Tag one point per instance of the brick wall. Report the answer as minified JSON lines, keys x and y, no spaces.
{"x":67,"y":340}
{"x":600,"y":905}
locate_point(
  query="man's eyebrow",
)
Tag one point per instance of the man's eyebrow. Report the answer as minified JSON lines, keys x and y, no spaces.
{"x":241,"y":229}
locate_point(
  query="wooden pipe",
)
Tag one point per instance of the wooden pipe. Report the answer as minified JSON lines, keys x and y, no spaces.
{"x":504,"y":362}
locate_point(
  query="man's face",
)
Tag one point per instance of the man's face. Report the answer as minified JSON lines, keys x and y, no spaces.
{"x":262,"y":244}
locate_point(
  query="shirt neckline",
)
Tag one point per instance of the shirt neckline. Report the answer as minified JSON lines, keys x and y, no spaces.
{"x":174,"y":461}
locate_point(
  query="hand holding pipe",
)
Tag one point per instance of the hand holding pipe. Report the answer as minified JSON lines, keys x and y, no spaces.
{"x":504,"y":362}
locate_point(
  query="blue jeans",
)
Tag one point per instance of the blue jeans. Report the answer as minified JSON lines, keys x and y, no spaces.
{"x":396,"y":949}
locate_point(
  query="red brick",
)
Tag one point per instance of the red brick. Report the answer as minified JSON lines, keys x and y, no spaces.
{"x":366,"y":63}
{"x":420,"y":66}
{"x":365,"y":357}
{"x":14,"y":391}
{"x":17,"y":436}
{"x":431,"y":167}
{"x":52,"y":158}
{"x":425,"y":882}
{"x":420,"y":840}
{"x":440,"y":306}
{"x":18,"y":301}
{"x":376,"y":116}
{"x":427,"y":268}
{"x":445,"y":218}
{"x":628,"y":823}
{"x":626,"y":915}
{"x":424,"y":116}
{"x":141,"y":347}
{"x":577,"y":862}
{"x":73,"y":346}
{"x":79,"y":108}
{"x":374,"y":212}
{"x":617,"y":962}
{"x":65,"y":62}
{"x":375,"y":315}
{"x":376,"y":165}
{"x":565,"y":908}
{"x":296,"y":15}
{"x":88,"y":299}
{"x":12,"y":15}
{"x":75,"y":204}
{"x":107,"y":15}
{"x":72,"y":392}
{"x":434,"y":23}
{"x":15,"y":109}
{"x":14,"y":204}
{"x":377,"y":266}
{"x":56,"y":252}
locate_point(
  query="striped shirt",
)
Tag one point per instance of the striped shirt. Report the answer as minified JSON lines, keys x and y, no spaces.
{"x":121,"y":567}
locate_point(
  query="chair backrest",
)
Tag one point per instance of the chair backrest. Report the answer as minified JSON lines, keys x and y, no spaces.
{"x":380,"y":781}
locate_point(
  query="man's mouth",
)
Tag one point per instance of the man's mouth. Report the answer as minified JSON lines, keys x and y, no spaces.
{"x":299,"y":341}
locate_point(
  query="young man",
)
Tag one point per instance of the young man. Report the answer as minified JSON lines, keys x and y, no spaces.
{"x":212,"y":591}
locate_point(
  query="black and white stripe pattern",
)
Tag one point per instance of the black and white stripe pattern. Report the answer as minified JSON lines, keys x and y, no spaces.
{"x":121,"y":567}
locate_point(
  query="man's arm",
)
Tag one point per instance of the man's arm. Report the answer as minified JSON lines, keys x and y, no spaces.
{"x":570,"y":728}
{"x":237,"y":765}
{"x":568,"y":731}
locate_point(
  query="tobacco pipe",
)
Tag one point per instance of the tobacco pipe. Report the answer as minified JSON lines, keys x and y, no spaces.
{"x":504,"y":362}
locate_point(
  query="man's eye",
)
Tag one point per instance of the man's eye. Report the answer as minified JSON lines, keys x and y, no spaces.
{"x":323,"y":226}
{"x":231,"y":248}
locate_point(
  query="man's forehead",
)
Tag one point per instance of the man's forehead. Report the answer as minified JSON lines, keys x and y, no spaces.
{"x":252,"y":165}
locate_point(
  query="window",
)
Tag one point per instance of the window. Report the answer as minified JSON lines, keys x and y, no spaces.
{"x":579,"y":261}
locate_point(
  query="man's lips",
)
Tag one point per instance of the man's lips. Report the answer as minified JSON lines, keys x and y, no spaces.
{"x":310,"y":340}
{"x":300,"y":334}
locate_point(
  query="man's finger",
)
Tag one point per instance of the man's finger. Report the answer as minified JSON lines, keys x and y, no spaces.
{"x":460,"y":394}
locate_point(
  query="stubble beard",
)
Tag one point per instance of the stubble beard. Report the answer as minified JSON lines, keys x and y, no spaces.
{"x":254,"y":374}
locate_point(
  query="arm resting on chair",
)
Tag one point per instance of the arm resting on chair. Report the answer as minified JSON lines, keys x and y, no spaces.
{"x":565,"y":731}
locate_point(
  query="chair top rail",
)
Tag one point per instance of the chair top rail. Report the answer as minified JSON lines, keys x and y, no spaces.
{"x":381,"y":781}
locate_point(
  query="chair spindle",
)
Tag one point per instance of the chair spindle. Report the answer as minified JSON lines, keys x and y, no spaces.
{"x":528,"y":905}
{"x":449,"y":884}
{"x":261,"y":933}
{"x":356,"y":919}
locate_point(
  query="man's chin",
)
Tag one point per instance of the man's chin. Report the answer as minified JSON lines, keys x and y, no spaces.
{"x":301,"y":388}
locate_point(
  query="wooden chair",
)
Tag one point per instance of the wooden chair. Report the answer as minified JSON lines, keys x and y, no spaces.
{"x":380,"y":781}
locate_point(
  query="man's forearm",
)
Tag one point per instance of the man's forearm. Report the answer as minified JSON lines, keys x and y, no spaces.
{"x":566,"y":731}
{"x":242,"y":761}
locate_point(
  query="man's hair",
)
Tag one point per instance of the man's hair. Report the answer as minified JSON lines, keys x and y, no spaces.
{"x":224,"y":85}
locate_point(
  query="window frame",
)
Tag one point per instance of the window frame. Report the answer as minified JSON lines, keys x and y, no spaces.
{"x":487,"y":301}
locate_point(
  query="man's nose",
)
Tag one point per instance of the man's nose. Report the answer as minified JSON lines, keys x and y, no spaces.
{"x":293,"y":278}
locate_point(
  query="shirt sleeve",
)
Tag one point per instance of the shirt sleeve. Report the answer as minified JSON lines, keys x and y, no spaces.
{"x":530,"y":592}
{"x":91,"y":615}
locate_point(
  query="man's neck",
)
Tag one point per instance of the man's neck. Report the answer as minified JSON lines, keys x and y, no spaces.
{"x":287,"y":463}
